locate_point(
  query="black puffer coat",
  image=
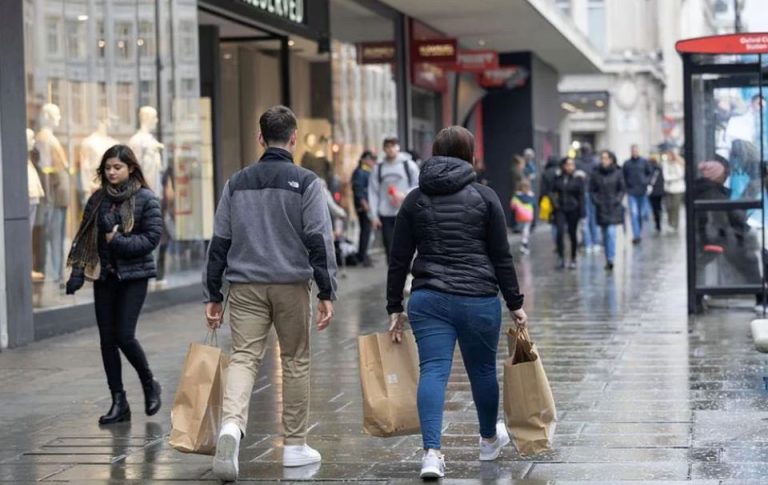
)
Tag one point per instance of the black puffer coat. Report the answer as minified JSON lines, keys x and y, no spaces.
{"x":129,"y":256}
{"x":568,"y":193}
{"x":606,"y":187}
{"x":458,"y":229}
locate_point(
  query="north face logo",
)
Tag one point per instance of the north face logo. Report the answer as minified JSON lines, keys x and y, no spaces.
{"x":293,"y":184}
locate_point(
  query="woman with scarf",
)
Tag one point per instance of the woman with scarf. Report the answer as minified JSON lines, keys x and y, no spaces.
{"x":121,"y":227}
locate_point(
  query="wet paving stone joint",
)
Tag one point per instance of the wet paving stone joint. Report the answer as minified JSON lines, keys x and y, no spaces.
{"x":644,"y":394}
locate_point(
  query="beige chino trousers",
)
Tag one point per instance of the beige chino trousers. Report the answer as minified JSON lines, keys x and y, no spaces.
{"x":253,"y":309}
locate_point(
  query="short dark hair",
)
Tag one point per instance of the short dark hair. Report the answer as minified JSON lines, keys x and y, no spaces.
{"x":455,"y":141}
{"x":277,"y":124}
{"x":391,"y":140}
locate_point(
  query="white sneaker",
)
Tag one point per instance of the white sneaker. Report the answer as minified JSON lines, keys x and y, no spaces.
{"x":300,"y":455}
{"x":432,"y":465}
{"x":225,"y":466}
{"x":491,"y":451}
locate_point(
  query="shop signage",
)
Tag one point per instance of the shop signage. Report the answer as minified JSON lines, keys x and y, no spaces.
{"x":291,"y":10}
{"x":436,"y":51}
{"x":376,"y":53}
{"x":429,"y":76}
{"x":756,"y":43}
{"x":475,"y":61}
{"x":507,"y":76}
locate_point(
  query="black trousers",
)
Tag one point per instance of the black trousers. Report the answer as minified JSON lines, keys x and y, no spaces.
{"x":118,"y":305}
{"x":567,"y":222}
{"x":387,"y":233}
{"x":656,"y":206}
{"x":365,"y":236}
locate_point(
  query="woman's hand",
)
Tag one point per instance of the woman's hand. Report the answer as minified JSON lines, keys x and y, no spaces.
{"x":520,"y":318}
{"x":111,"y":235}
{"x":396,"y":322}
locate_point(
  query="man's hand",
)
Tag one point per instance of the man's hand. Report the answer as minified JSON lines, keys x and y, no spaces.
{"x":520,"y":318}
{"x":214,"y":314}
{"x":376,"y":224}
{"x":396,"y":322}
{"x":324,"y":314}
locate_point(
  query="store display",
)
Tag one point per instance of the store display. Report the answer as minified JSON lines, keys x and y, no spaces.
{"x":35,"y":190}
{"x":147,"y":148}
{"x":56,"y":183}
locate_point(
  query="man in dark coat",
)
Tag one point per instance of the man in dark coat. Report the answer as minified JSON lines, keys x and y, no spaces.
{"x":637,"y":175}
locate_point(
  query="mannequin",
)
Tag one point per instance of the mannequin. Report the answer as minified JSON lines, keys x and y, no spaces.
{"x":147,"y":148}
{"x":55,"y":168}
{"x":91,"y":151}
{"x":35,"y":189}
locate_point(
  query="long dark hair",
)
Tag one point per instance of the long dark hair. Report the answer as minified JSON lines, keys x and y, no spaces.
{"x":611,"y":155}
{"x":455,"y":141}
{"x":125,"y":155}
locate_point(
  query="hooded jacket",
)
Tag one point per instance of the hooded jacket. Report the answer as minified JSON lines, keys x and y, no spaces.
{"x":606,"y":187}
{"x":458,"y":229}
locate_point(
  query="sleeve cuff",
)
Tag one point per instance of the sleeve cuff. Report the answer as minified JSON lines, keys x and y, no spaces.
{"x":395,"y":308}
{"x":516,"y":303}
{"x":326,"y":296}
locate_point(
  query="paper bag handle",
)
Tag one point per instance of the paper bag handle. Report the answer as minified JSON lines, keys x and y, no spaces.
{"x":212,"y":337}
{"x":516,"y":333}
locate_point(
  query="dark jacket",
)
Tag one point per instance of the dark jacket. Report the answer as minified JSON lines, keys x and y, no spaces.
{"x":637,"y":175}
{"x":360,"y":178}
{"x":727,"y":228}
{"x":606,"y":187}
{"x":128,"y":256}
{"x":459,"y":231}
{"x":551,"y":171}
{"x":568,"y":193}
{"x":656,"y":181}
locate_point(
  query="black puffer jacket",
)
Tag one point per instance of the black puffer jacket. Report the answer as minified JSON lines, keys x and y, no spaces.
{"x":568,"y":193}
{"x":606,"y":187}
{"x":458,"y":229}
{"x":129,"y":256}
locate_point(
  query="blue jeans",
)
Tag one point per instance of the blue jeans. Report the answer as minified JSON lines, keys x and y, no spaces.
{"x":438,"y":320}
{"x":638,"y":205}
{"x":609,"y":241}
{"x":590,"y":230}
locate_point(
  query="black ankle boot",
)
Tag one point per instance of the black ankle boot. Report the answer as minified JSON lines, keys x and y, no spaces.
{"x":119,"y":412}
{"x":152,"y":401}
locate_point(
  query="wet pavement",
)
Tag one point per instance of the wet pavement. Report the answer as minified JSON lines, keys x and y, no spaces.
{"x":643,"y":393}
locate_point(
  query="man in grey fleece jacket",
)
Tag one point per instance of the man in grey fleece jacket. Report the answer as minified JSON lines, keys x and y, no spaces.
{"x":272,"y":236}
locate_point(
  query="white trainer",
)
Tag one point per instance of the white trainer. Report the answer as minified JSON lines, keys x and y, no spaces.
{"x":300,"y":455}
{"x":491,"y":451}
{"x":225,"y":465}
{"x":432,"y":465}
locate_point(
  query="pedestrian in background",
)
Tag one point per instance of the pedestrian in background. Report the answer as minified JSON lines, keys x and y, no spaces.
{"x":120,"y":229}
{"x":272,"y":236}
{"x":457,"y":229}
{"x":523,"y":208}
{"x":637,"y":175}
{"x":360,"y":179}
{"x":656,"y":191}
{"x":673,"y":169}
{"x":606,"y":190}
{"x":587,"y":164}
{"x":392,"y":179}
{"x":551,"y":172}
{"x":567,"y":196}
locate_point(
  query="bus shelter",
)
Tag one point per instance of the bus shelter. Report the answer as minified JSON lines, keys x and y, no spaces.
{"x":725,"y":144}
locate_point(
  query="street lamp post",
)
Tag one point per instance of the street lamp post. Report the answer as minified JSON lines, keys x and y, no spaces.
{"x":737,"y":16}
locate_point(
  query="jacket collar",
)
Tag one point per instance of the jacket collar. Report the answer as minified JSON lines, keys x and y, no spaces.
{"x":277,"y":155}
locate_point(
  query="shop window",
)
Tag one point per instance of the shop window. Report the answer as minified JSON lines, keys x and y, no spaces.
{"x":53,"y":35}
{"x":146,"y":41}
{"x":54,"y":91}
{"x":188,"y":39}
{"x":78,"y":102}
{"x":125,"y":103}
{"x":147,"y":95}
{"x":101,"y":43}
{"x":75,"y":39}
{"x":123,"y":40}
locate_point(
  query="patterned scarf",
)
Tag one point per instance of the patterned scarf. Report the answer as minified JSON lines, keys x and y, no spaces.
{"x":85,"y":247}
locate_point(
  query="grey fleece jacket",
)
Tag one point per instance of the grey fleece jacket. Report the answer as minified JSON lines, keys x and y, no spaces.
{"x":272,"y":226}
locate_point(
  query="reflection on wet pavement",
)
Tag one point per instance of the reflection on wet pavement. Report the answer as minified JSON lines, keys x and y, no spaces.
{"x":643,"y":393}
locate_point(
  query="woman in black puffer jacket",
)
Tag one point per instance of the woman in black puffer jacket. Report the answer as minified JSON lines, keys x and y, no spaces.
{"x":567,"y":196}
{"x":458,"y":231}
{"x":121,"y":227}
{"x":606,"y":187}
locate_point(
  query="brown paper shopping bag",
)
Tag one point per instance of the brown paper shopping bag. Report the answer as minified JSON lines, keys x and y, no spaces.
{"x":196,"y":412}
{"x":529,"y":408}
{"x":389,"y":375}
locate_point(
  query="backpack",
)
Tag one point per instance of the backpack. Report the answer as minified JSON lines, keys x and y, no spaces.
{"x":405,"y":167}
